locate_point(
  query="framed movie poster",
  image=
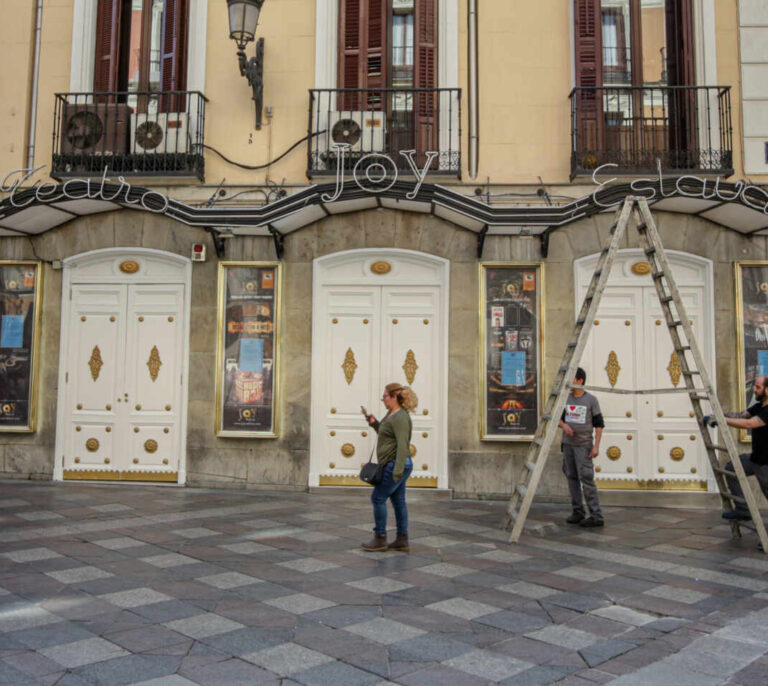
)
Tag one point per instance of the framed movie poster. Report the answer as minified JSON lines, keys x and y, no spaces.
{"x":511,"y":332}
{"x":20,"y":307}
{"x":248,"y":349}
{"x":751,"y":281}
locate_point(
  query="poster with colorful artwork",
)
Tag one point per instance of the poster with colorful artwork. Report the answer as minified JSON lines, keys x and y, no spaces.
{"x":19,"y":340}
{"x":511,"y":329}
{"x":248,"y":349}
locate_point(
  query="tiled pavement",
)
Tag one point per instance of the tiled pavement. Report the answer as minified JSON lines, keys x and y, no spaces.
{"x":151,"y":585}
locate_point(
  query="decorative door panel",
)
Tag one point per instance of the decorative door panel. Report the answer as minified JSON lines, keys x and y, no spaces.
{"x":678,"y":455}
{"x":94,"y":375}
{"x":153,"y":376}
{"x":618,"y":456}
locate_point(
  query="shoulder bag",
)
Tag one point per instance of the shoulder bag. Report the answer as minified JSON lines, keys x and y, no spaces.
{"x":372,"y":472}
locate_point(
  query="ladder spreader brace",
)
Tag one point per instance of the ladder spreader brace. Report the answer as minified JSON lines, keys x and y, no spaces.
{"x":689,"y":356}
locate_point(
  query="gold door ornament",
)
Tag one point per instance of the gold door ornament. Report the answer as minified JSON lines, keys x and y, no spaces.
{"x":92,"y":445}
{"x":613,"y":453}
{"x":349,"y":366}
{"x":381,"y":267}
{"x":410,"y":366}
{"x":95,"y":363}
{"x":641,"y":268}
{"x":347,"y":450}
{"x":413,"y":450}
{"x":677,"y":454}
{"x":129,"y":267}
{"x":675,"y":369}
{"x":150,"y":445}
{"x":154,"y":362}
{"x":612,"y":368}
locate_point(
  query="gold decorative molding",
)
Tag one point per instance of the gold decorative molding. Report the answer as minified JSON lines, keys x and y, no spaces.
{"x":413,"y":450}
{"x":349,"y":366}
{"x":95,"y":363}
{"x":339,"y":480}
{"x":675,"y":369}
{"x":381,"y":267}
{"x":347,"y":450}
{"x":612,"y":368}
{"x":410,"y":366}
{"x":92,"y":445}
{"x":92,"y":474}
{"x":677,"y":454}
{"x":648,"y":485}
{"x":150,"y":445}
{"x":641,"y":268}
{"x":129,"y":266}
{"x":150,"y":476}
{"x":613,"y":453}
{"x":154,"y":362}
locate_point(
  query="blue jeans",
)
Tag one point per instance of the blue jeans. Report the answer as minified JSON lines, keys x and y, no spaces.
{"x":389,"y":489}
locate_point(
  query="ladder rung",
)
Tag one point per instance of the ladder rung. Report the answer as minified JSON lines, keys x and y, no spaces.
{"x":572,"y":345}
{"x":677,"y":322}
{"x":683,"y":348}
{"x":642,"y":226}
{"x":736,"y":498}
{"x":667,"y":299}
{"x":530,"y":466}
{"x":513,"y":514}
{"x":522,"y":490}
{"x":650,"y":251}
{"x":699,"y":397}
{"x":691,"y":372}
{"x":546,"y":417}
{"x":721,"y":448}
{"x":723,"y":471}
{"x":538,"y":441}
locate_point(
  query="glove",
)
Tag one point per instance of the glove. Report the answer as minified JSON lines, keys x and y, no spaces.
{"x":707,"y":419}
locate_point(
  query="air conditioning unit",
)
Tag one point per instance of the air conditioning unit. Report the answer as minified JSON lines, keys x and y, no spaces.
{"x":94,"y":128}
{"x":161,"y":133}
{"x":362,"y":131}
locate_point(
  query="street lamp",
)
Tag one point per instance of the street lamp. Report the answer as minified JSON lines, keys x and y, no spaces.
{"x":243,"y":19}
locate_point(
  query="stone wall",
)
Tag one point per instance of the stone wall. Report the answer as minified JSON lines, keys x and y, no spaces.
{"x":476,"y":468}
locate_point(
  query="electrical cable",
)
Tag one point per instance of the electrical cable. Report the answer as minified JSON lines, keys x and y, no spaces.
{"x":268,"y":164}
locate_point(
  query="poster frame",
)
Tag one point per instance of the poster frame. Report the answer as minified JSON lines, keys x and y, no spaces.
{"x":738,"y":268}
{"x":219,"y":431}
{"x":538,"y":267}
{"x":34,"y":367}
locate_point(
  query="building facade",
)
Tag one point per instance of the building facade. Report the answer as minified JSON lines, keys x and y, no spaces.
{"x":204,"y":277}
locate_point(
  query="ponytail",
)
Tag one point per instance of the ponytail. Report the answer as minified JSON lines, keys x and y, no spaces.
{"x":404,"y":394}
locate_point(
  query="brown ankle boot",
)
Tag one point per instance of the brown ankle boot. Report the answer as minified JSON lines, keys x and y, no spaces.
{"x":377,"y":544}
{"x":400,"y":544}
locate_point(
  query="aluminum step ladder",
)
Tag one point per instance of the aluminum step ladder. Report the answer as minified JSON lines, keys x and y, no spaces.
{"x":697,"y":382}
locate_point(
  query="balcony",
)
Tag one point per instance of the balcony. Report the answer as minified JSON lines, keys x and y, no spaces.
{"x":384,"y":121}
{"x":131,"y":134}
{"x":687,"y":128}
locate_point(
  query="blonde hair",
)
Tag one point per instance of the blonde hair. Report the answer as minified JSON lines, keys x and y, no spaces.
{"x":404,"y":394}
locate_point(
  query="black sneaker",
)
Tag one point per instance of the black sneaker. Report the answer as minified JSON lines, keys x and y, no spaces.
{"x":591,"y":522}
{"x":575,"y":518}
{"x":737,"y":515}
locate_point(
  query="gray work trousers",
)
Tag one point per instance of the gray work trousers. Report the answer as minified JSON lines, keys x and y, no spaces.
{"x":580,"y":472}
{"x":750,"y":469}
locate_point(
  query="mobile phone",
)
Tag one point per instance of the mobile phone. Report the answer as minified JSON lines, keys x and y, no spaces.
{"x":364,"y":411}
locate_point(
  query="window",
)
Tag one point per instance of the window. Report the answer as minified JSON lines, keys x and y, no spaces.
{"x":141,"y":48}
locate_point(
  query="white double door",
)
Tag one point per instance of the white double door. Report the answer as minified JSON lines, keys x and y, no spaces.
{"x":124,"y":376}
{"x":369,"y":336}
{"x":652,"y":441}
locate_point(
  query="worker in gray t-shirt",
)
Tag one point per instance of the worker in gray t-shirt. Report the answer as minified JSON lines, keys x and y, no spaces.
{"x":580,"y":418}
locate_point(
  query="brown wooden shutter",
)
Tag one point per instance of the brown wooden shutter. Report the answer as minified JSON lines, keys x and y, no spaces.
{"x":107,"y":46}
{"x":362,"y":59}
{"x":681,"y":71}
{"x":425,"y":76}
{"x":173,"y":57}
{"x":588,"y":44}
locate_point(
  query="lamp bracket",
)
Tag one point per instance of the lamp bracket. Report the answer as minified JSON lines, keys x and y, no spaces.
{"x":253,"y":70}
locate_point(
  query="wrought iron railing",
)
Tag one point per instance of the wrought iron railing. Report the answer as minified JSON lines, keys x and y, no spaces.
{"x":129,"y":134}
{"x":384,"y":121}
{"x":687,"y":128}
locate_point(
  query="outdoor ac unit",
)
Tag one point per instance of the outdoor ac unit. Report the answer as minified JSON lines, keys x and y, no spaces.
{"x":94,"y":128}
{"x":161,"y":133}
{"x":362,"y":131}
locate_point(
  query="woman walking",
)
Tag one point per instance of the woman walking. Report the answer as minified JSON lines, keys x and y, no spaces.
{"x":393,"y":450}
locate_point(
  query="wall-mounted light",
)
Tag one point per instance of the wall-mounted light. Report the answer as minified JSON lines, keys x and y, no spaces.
{"x":243,"y":19}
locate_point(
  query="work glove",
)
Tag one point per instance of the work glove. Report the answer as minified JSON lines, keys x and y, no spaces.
{"x":707,"y":419}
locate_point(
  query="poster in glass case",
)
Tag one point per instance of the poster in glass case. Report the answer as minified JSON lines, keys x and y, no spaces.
{"x":511,"y":331}
{"x":248,"y":349}
{"x":20,"y":307}
{"x":752,"y":329}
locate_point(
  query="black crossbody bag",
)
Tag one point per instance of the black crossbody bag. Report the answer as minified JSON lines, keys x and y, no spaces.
{"x":372,"y":472}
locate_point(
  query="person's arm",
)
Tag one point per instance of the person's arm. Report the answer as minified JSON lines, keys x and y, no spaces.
{"x":402,"y":436}
{"x":744,"y":423}
{"x":596,"y":447}
{"x":567,"y":430}
{"x":598,"y":423}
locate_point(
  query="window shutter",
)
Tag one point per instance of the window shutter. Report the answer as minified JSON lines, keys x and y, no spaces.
{"x":425,"y":76}
{"x":173,"y":57}
{"x":107,"y":45}
{"x":681,"y":71}
{"x":589,"y":74}
{"x":362,"y":51}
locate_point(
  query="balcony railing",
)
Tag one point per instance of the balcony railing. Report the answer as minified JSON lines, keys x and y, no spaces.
{"x":687,"y":128}
{"x":384,"y":121}
{"x":129,"y":134}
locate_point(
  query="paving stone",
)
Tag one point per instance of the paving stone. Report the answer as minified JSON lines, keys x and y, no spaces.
{"x":287,"y":659}
{"x":341,"y":616}
{"x":487,"y":665}
{"x":625,"y":615}
{"x":11,"y":675}
{"x":584,"y":573}
{"x":502,"y":556}
{"x":537,"y":676}
{"x":663,"y":673}
{"x":31,"y":555}
{"x":199,"y":532}
{"x":439,"y":676}
{"x":170,"y":680}
{"x":446,"y":569}
{"x":33,"y":664}
{"x":169,"y":560}
{"x":203,"y":625}
{"x":129,"y":669}
{"x":136,"y":597}
{"x":83,"y":652}
{"x":24,"y":616}
{"x":678,"y":595}
{"x":602,"y":651}
{"x":119,"y":543}
{"x":79,"y":575}
{"x":379,"y":584}
{"x":227,"y":580}
{"x":564,"y":636}
{"x":235,"y":671}
{"x":384,"y":631}
{"x":300,"y":603}
{"x":146,"y":638}
{"x":249,"y":640}
{"x":715,"y":656}
{"x":246,"y":548}
{"x":514,"y":622}
{"x":528,"y":590}
{"x":111,"y":507}
{"x":427,"y":648}
{"x":49,"y":635}
{"x":308,"y":565}
{"x":460,"y":607}
{"x":38,"y":516}
{"x":581,"y":602}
